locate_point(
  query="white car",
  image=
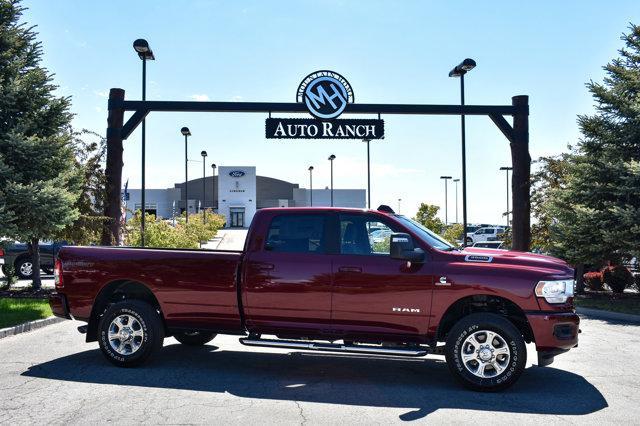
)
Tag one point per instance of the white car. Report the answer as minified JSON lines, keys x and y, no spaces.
{"x":380,"y":236}
{"x":489,"y":233}
{"x":489,"y":244}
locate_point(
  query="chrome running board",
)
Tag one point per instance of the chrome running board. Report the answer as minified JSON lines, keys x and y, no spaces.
{"x":333,"y":347}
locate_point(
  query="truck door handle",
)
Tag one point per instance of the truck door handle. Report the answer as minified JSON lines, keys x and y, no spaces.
{"x":356,"y":269}
{"x":263,"y":266}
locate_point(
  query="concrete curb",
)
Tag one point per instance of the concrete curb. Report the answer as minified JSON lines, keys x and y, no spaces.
{"x":28,"y":326}
{"x":608,"y":315}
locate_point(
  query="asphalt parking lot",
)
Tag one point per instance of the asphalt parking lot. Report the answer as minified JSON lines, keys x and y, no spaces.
{"x":50,"y":375}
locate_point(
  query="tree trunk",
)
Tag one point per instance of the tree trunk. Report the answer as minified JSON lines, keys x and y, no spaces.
{"x":580,"y":278}
{"x":113,"y":171}
{"x":35,"y":247}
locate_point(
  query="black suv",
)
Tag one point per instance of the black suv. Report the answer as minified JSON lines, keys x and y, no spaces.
{"x":17,"y":254}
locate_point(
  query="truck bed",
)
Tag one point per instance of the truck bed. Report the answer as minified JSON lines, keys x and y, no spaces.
{"x":194,"y":288}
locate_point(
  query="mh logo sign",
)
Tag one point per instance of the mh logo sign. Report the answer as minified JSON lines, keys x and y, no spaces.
{"x":325,"y":93}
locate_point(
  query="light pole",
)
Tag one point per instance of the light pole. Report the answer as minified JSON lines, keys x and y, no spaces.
{"x":331,"y":158}
{"x":144,"y":53}
{"x":204,"y":197}
{"x":456,"y":182}
{"x":213,"y":201}
{"x":446,"y":201}
{"x":459,"y":71}
{"x":399,"y":201}
{"x":506,"y":170}
{"x":368,"y":174}
{"x":311,"y":186}
{"x":186,"y":133}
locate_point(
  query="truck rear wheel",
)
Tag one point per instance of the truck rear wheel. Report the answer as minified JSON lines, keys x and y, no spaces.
{"x":195,"y":338}
{"x":130,"y":332}
{"x":486,"y":352}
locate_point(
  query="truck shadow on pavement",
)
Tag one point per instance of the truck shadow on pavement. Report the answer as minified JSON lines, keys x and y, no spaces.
{"x":420,"y":385}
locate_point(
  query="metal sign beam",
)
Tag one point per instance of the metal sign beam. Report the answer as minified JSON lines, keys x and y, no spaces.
{"x":518,"y":136}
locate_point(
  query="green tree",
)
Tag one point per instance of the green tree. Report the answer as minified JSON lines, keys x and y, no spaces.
{"x":89,"y":152}
{"x":427,"y":216}
{"x":453,"y":233}
{"x":597,"y":206}
{"x":39,"y":181}
{"x":549,"y":176}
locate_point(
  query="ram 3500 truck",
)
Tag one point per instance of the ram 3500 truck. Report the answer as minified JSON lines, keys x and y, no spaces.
{"x":315,"y":279}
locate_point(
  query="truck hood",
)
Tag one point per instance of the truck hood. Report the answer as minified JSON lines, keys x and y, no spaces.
{"x":518,"y":258}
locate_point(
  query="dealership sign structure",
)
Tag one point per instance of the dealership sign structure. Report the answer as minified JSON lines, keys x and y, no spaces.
{"x":325,"y":95}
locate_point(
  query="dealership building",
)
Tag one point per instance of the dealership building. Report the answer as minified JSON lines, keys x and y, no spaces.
{"x":239,"y":192}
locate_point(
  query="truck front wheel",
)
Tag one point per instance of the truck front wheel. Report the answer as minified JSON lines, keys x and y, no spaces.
{"x":195,"y":338}
{"x":130,"y":332}
{"x":486,"y":352}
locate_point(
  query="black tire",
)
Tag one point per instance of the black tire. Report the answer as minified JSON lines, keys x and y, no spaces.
{"x":22,"y":266}
{"x":148,"y":320}
{"x":512,"y":339}
{"x":196,"y":338}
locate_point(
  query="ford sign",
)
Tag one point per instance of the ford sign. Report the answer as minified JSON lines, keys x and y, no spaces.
{"x":236,"y":173}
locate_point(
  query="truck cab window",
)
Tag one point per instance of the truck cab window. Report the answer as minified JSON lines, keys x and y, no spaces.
{"x":363,"y":235}
{"x":296,"y":234}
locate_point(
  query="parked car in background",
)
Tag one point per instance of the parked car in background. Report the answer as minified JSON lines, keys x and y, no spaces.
{"x":17,"y":255}
{"x":489,"y":244}
{"x":489,"y":233}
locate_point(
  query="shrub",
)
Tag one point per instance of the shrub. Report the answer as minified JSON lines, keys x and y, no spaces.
{"x":617,"y":278}
{"x":161,"y":233}
{"x":593,"y":280}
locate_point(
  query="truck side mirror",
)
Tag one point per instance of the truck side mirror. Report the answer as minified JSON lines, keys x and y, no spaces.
{"x":402,"y":248}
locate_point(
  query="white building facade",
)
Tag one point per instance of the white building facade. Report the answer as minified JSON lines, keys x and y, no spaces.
{"x":237,"y":195}
{"x":236,"y":192}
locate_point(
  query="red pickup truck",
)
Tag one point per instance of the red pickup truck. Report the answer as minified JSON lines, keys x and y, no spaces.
{"x":316,"y":279}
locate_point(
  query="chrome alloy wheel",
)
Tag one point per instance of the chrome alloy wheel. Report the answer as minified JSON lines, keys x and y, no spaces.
{"x":26,"y":269}
{"x":125,"y":334}
{"x":485,"y":354}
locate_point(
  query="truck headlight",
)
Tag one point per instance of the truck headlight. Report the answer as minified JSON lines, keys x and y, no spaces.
{"x":556,"y":291}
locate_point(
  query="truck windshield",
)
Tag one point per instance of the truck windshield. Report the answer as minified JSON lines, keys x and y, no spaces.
{"x":427,"y":235}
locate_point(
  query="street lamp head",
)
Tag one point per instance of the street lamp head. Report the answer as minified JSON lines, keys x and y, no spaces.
{"x":331,"y":157}
{"x":310,"y":168}
{"x":445,"y":177}
{"x":213,"y":166}
{"x":506,"y":168}
{"x":456,"y":180}
{"x":203,"y":153}
{"x":185,"y":131}
{"x":366,"y":140}
{"x":141,"y":46}
{"x":462,"y":68}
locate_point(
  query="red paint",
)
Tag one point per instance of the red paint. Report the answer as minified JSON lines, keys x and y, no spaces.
{"x":313,"y":295}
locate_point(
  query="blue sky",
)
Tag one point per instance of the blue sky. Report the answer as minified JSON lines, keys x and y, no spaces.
{"x":390,"y":51}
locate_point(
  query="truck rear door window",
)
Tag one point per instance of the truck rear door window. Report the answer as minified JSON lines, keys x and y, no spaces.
{"x":296,"y":234}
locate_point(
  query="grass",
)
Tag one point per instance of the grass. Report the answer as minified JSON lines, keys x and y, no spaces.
{"x":627,"y":303}
{"x":17,"y":311}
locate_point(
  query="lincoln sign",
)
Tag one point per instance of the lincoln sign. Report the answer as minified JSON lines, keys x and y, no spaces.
{"x":326,"y":95}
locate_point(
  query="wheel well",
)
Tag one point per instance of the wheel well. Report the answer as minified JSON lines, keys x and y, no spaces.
{"x":484,"y":303}
{"x":19,"y":258}
{"x":115,"y":292}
